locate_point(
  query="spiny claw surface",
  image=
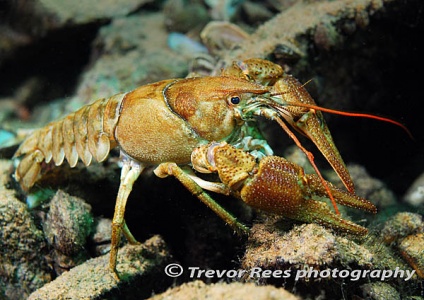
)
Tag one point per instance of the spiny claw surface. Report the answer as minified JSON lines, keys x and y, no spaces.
{"x":282,"y":187}
{"x":278,"y":186}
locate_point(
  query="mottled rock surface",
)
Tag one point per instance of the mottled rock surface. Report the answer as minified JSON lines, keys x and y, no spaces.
{"x":68,"y":224}
{"x":23,"y":267}
{"x":139,"y":267}
{"x":199,"y":290}
{"x":305,"y":245}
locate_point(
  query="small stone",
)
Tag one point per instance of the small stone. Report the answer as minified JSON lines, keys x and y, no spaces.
{"x":326,"y":36}
{"x":69,"y":222}
{"x":401,"y":225}
{"x":220,"y":36}
{"x":415,"y":194}
{"x":102,"y":236}
{"x":379,"y":290}
{"x":412,"y":250}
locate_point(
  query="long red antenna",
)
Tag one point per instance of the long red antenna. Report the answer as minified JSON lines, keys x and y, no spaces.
{"x":354,"y":114}
{"x":351,"y":114}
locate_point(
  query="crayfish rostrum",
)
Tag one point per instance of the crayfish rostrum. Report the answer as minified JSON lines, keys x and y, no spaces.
{"x":164,"y":122}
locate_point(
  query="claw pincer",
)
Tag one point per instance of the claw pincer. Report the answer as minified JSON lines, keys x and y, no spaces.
{"x":278,"y":186}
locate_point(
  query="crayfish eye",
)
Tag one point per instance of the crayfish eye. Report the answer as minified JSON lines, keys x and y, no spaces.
{"x":235,"y":100}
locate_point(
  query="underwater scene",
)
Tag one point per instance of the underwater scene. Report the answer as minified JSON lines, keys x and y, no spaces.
{"x":211,"y":149}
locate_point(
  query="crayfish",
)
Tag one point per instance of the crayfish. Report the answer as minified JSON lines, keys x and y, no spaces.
{"x":168,"y":123}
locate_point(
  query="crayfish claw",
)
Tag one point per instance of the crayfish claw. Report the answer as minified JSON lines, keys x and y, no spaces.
{"x":314,"y":211}
{"x":278,"y":186}
{"x":282,"y":187}
{"x":341,"y":197}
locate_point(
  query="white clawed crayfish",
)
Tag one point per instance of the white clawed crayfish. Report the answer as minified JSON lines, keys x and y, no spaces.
{"x":164,"y":122}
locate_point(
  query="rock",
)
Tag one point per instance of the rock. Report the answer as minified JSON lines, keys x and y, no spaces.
{"x":50,"y":14}
{"x":199,"y":290}
{"x":412,"y":250}
{"x":380,"y":290}
{"x":223,"y":10}
{"x":304,"y":17}
{"x":102,"y":236}
{"x":183,"y":16}
{"x":404,"y":232}
{"x":222,"y":36}
{"x":415,"y":194}
{"x":311,"y":245}
{"x":68,"y":224}
{"x":45,"y":16}
{"x":367,"y":186}
{"x":401,"y":225}
{"x":140,"y":268}
{"x":308,"y":256}
{"x":185,"y":46}
{"x":23,"y":268}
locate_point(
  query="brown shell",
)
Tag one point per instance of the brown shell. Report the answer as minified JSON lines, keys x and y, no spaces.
{"x":86,"y":133}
